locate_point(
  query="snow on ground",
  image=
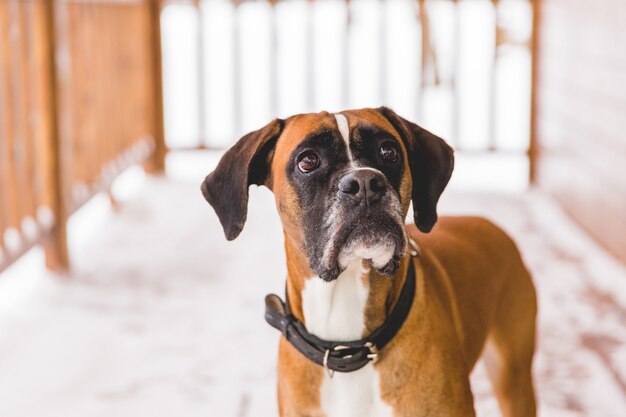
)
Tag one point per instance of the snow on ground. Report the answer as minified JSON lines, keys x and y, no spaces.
{"x":161,"y":316}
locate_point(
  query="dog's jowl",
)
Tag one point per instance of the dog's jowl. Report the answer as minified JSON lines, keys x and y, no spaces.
{"x":381,"y":318}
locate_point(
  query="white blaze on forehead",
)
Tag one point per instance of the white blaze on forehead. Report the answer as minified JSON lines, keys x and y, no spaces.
{"x":344,"y":129}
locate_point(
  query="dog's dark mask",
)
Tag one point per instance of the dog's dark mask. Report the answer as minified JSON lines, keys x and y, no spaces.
{"x":345,"y":204}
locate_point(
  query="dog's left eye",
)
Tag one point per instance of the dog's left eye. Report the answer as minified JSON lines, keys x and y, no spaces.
{"x":389,"y":152}
{"x":308,"y":161}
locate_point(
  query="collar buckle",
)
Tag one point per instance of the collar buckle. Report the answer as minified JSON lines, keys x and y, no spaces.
{"x":373,"y":355}
{"x":331,"y":372}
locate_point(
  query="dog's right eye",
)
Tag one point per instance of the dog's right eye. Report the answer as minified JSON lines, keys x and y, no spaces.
{"x":388,"y":152}
{"x":308,"y":161}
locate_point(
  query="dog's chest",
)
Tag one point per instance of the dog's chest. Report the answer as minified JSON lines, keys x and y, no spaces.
{"x":335,"y":311}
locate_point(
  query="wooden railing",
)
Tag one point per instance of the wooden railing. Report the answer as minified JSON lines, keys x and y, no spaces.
{"x":80,"y":101}
{"x":440,"y":66}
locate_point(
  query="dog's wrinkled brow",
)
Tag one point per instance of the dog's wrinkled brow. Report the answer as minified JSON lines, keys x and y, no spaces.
{"x":320,"y":137}
{"x":365,"y":131}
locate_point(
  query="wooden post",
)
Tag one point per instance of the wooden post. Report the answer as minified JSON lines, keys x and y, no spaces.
{"x":56,"y":244}
{"x":533,"y":146}
{"x":157,"y":162}
{"x":11,"y":172}
{"x":428,"y":59}
{"x":5,"y":117}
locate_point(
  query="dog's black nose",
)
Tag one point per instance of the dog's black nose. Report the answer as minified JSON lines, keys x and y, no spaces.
{"x":363,"y":185}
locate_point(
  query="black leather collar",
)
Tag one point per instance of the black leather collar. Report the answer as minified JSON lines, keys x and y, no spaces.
{"x":341,"y":356}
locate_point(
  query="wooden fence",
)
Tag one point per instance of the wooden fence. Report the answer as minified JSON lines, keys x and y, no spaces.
{"x":440,"y":63}
{"x":80,"y":100}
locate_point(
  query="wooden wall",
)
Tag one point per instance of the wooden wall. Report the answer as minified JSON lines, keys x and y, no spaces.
{"x":581,"y":113}
{"x":80,"y":101}
{"x":107,"y":90}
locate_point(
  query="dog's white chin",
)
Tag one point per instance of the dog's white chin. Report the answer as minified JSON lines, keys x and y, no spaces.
{"x":380,"y":253}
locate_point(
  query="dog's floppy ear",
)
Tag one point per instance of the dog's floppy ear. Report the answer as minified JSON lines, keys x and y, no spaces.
{"x":431,"y":161}
{"x":246,"y":163}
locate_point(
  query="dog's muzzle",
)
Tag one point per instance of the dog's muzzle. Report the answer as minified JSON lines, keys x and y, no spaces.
{"x":367,"y":222}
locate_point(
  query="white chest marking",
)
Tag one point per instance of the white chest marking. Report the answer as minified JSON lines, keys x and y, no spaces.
{"x":335,"y":311}
{"x":344,"y":129}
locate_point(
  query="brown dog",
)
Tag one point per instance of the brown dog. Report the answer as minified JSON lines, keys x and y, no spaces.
{"x":343,"y":184}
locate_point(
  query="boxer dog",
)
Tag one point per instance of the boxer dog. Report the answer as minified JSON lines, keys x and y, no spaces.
{"x":343,"y":184}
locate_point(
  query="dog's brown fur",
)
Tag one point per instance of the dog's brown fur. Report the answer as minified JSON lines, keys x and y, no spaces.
{"x":472,"y":288}
{"x":473,"y":295}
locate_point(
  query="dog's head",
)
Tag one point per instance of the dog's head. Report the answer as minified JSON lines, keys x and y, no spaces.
{"x":342,"y":182}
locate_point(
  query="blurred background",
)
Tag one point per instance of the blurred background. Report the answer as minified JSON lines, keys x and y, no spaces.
{"x":118,"y":292}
